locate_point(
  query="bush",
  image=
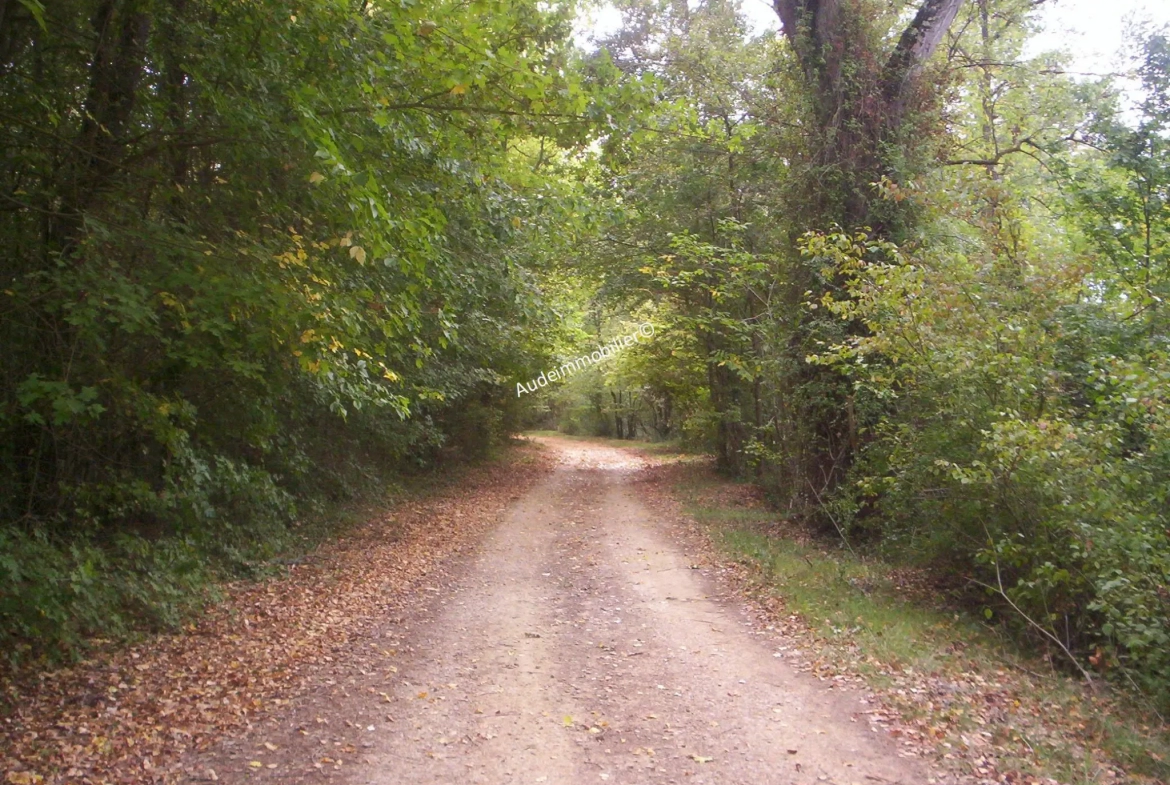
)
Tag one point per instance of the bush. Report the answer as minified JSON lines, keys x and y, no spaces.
{"x":1023,"y":450}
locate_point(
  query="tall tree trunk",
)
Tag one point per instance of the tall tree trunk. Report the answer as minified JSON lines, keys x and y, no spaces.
{"x":864,"y":99}
{"x":120,"y":29}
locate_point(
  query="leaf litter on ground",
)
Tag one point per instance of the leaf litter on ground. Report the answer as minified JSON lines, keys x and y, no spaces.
{"x":128,"y":714}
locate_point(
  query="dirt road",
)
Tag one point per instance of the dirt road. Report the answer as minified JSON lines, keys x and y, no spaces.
{"x":581,"y":645}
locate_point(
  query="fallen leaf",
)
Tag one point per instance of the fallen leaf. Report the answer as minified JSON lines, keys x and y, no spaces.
{"x":24,"y":778}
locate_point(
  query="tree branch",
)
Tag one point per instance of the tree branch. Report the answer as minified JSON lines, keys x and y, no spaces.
{"x":918,"y":42}
{"x":789,"y":12}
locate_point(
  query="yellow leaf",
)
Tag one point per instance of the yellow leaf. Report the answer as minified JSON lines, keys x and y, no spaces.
{"x":24,"y":778}
{"x":256,"y":764}
{"x":316,"y":177}
{"x":358,"y":253}
{"x":568,"y":721}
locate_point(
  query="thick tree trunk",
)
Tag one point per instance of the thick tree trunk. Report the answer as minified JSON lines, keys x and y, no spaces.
{"x":861,"y":97}
{"x":866,"y":100}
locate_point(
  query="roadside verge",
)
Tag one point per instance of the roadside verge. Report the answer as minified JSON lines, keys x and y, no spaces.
{"x":939,"y":679}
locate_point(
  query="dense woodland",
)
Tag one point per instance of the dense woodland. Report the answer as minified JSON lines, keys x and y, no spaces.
{"x":258,"y":257}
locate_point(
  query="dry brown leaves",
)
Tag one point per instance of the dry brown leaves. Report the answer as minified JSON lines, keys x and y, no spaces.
{"x":128,"y":714}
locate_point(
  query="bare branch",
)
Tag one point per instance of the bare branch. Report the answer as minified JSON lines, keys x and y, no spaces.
{"x":999,"y":589}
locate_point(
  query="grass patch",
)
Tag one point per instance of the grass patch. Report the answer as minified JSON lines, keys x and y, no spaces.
{"x":841,"y":596}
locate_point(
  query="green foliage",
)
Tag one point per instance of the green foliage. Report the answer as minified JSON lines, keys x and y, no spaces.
{"x":254,"y":254}
{"x":1013,"y":382}
{"x":66,"y":592}
{"x":687,"y":243}
{"x":1043,"y":483}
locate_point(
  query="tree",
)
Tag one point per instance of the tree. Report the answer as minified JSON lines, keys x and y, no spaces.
{"x":700,"y":212}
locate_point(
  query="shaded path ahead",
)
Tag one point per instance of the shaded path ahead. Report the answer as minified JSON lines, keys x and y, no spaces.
{"x":580,"y":646}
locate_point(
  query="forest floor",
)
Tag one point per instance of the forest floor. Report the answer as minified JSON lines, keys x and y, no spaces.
{"x":558,"y":617}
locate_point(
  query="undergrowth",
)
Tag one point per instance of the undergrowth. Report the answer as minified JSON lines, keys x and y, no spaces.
{"x":64,"y":592}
